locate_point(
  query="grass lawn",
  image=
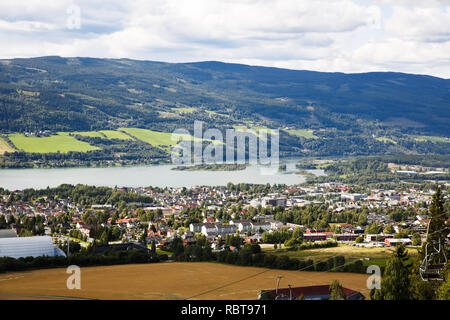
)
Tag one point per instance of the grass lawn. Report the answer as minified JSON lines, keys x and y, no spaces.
{"x":111,"y":134}
{"x":308,"y":134}
{"x":60,"y":142}
{"x":4,"y":146}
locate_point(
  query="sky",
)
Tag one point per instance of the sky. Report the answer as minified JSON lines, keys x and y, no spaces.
{"x":349,"y":36}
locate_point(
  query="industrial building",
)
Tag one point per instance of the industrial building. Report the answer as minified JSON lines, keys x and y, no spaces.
{"x":20,"y":247}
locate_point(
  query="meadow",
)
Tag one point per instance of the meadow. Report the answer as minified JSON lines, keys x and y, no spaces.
{"x":167,"y":281}
{"x":60,"y":142}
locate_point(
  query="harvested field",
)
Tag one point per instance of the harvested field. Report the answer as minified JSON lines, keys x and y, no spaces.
{"x":4,"y":146}
{"x":166,"y":281}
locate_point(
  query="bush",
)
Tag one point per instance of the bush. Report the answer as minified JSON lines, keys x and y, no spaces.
{"x":269,"y":260}
{"x":79,"y":259}
{"x":356,"y":267}
{"x":339,"y":261}
{"x":321,"y":266}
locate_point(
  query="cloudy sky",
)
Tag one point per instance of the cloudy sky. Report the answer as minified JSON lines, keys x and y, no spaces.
{"x":324,"y":35}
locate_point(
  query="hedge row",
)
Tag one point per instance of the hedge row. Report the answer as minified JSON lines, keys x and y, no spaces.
{"x":79,"y":259}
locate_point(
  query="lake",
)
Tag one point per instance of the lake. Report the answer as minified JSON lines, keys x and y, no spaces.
{"x":142,"y":176}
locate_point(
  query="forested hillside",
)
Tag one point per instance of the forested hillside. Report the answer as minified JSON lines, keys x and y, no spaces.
{"x":319,"y":113}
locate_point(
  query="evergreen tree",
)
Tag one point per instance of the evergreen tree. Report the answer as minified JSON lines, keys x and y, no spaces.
{"x":437,"y":229}
{"x":444,"y":290}
{"x":143,"y":238}
{"x":395,"y":284}
{"x":104,"y":238}
{"x":336,"y":291}
{"x":421,"y":290}
{"x":153,"y":247}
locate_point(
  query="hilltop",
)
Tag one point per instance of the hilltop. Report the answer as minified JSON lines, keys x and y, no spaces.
{"x":320,"y":113}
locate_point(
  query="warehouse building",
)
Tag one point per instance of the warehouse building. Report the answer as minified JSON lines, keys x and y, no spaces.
{"x":20,"y":247}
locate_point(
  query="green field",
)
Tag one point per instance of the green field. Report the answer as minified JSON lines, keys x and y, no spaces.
{"x":157,"y":139}
{"x":4,"y":146}
{"x":370,"y":256}
{"x":431,"y":138}
{"x":92,"y":134}
{"x":386,"y":139}
{"x":184,"y":110}
{"x":111,"y":134}
{"x":308,"y":134}
{"x":61,"y":142}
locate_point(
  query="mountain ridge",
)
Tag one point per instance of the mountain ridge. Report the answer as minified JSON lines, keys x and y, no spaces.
{"x":137,"y":92}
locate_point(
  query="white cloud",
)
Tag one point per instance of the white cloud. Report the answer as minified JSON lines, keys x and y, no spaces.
{"x":325,"y":35}
{"x":420,"y":24}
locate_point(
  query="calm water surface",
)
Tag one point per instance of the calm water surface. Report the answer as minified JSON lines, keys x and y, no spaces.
{"x":141,"y":176}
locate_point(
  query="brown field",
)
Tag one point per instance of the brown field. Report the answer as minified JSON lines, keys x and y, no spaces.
{"x":5,"y":147}
{"x":166,"y":281}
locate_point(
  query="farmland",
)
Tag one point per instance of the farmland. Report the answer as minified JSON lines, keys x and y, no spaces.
{"x":55,"y":143}
{"x":4,"y":146}
{"x":168,"y":281}
{"x":154,"y":138}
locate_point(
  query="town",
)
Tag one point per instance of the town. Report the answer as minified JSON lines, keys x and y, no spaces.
{"x":260,"y":214}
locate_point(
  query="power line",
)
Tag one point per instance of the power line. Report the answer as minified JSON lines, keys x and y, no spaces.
{"x":228,"y":284}
{"x":259,"y":273}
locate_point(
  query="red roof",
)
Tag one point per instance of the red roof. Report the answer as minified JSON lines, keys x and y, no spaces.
{"x":312,"y":291}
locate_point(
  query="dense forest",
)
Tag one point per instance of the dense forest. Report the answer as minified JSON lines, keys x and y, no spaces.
{"x":83,"y":94}
{"x":349,"y":114}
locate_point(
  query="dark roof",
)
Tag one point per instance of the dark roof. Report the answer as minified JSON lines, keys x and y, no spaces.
{"x":209,"y":225}
{"x":8,"y":233}
{"x":314,"y":291}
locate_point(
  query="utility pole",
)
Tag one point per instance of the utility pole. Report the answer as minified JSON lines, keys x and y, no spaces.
{"x":278,"y":282}
{"x":68,"y":246}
